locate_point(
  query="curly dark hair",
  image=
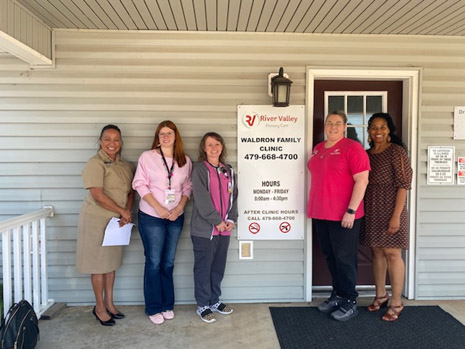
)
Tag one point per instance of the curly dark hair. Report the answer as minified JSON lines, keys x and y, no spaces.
{"x":392,"y":128}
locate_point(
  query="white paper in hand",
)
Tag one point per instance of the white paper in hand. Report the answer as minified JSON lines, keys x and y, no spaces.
{"x":116,"y":235}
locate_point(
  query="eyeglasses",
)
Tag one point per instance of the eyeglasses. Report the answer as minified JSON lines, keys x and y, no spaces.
{"x":168,"y":134}
{"x":330,"y":124}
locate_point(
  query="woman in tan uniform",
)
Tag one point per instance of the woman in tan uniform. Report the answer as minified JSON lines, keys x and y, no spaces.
{"x":109,"y":179}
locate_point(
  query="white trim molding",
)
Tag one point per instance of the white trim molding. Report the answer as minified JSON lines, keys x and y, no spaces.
{"x":23,"y":52}
{"x":411,"y":102}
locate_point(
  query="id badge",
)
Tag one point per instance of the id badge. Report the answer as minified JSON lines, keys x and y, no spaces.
{"x":230,"y":188}
{"x":169,"y":196}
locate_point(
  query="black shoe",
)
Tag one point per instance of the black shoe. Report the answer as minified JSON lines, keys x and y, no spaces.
{"x":117,"y":316}
{"x":330,"y":305}
{"x":346,"y":311}
{"x":110,"y":322}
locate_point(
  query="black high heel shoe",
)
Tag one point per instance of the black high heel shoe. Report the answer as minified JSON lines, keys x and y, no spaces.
{"x":117,"y":316}
{"x":110,"y":322}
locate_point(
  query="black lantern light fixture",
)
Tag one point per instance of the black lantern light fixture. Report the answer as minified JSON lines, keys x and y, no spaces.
{"x":281,"y":89}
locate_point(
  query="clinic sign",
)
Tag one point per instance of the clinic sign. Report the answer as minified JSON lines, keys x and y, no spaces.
{"x":271,"y":177}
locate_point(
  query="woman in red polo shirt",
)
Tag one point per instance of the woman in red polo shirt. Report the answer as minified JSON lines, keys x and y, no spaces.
{"x":339,"y":170}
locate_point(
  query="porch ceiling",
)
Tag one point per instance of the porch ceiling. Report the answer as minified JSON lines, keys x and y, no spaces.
{"x":411,"y":17}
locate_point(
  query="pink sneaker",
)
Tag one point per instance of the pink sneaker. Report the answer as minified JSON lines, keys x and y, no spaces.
{"x":168,"y":315}
{"x":157,"y":318}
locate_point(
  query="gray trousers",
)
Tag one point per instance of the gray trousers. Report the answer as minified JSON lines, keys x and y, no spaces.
{"x":209,"y":265}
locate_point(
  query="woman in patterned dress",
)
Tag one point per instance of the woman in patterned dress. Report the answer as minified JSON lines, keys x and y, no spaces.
{"x":385,"y":229}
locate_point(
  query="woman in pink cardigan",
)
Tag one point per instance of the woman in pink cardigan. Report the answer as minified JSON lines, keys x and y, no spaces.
{"x":163,"y":181}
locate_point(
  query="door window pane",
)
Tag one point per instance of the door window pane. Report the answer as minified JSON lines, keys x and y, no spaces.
{"x":356,"y":133}
{"x":355,"y":110}
{"x":374,"y":105}
{"x":355,"y":104}
{"x":335,"y":103}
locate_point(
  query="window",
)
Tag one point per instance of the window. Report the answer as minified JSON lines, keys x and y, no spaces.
{"x":359,"y":106}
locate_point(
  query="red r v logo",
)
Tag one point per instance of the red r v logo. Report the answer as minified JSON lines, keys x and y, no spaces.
{"x":249,"y":120}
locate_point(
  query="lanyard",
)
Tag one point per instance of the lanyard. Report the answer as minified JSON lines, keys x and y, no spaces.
{"x":170,"y":171}
{"x":220,"y":169}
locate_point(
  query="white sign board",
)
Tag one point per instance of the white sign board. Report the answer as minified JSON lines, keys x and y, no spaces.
{"x":441,"y":160}
{"x":459,"y":122}
{"x":271,"y":172}
{"x":461,"y":170}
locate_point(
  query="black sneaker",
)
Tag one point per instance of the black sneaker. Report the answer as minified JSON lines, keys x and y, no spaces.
{"x":330,"y":305}
{"x":346,"y":311}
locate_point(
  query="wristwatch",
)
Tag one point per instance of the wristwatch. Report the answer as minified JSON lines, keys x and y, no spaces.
{"x":350,"y":211}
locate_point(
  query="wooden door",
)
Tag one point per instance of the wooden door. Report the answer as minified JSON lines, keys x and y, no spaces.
{"x":320,"y":273}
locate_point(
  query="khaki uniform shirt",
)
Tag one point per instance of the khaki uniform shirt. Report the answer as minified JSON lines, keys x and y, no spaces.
{"x":115,"y":177}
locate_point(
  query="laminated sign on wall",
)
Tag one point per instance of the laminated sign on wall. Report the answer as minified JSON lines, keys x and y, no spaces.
{"x":441,"y":161}
{"x":459,"y":122}
{"x":271,"y":172}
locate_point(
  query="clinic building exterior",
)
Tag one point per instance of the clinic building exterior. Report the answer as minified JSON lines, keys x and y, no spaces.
{"x":50,"y":119}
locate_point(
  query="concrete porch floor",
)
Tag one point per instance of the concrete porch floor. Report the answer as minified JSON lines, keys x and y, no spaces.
{"x":250,"y":326}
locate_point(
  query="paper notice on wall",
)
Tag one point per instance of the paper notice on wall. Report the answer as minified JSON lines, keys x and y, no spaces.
{"x":441,"y":160}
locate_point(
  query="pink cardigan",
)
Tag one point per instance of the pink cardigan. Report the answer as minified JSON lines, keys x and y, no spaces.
{"x":152,"y":177}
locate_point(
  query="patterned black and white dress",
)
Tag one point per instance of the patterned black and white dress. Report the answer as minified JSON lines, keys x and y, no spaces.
{"x":390,"y":170}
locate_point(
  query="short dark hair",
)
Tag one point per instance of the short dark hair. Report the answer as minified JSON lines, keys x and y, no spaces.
{"x":109,"y":127}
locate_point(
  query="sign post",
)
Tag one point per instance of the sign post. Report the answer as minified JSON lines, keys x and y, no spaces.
{"x":271,"y":172}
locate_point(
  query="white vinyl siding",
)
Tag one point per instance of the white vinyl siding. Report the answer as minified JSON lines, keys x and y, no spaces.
{"x":50,"y":120}
{"x":22,"y":25}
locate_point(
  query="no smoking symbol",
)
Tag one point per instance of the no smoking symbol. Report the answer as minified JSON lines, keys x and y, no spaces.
{"x":285,"y":227}
{"x":254,"y":228}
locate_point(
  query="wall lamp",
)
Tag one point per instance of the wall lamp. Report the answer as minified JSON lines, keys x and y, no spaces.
{"x":279,"y":88}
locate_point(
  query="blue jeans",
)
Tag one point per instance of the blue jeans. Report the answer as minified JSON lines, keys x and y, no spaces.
{"x":160,"y":239}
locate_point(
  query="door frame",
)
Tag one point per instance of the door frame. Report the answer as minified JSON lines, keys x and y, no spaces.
{"x":411,"y":78}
